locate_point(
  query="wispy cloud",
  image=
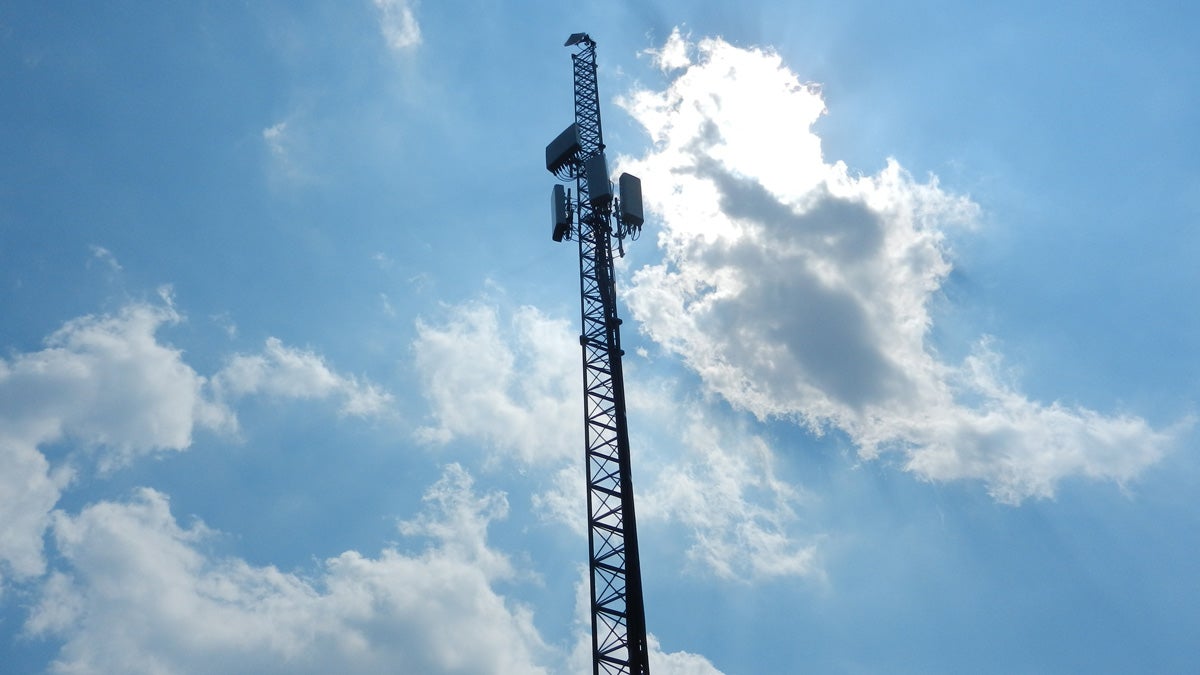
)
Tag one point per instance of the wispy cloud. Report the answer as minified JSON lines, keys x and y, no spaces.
{"x":106,"y":256}
{"x":286,"y":149}
{"x":274,"y":136}
{"x":398,"y":24}
{"x":286,"y":372}
{"x":798,"y":289}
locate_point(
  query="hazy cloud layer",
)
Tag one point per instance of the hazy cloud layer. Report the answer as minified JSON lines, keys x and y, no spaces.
{"x":797,"y":289}
{"x":142,"y":595}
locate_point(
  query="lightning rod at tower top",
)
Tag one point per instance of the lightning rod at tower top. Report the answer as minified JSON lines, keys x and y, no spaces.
{"x":597,"y":217}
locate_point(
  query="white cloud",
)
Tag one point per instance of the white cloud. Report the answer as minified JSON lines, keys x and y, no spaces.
{"x":287,"y":372}
{"x":674,"y":53}
{"x":678,"y":663}
{"x":103,"y":382}
{"x":106,"y":385}
{"x":29,"y":489}
{"x":143,"y":596}
{"x":513,"y":387}
{"x":796,"y":289}
{"x":107,"y":382}
{"x":398,"y":24}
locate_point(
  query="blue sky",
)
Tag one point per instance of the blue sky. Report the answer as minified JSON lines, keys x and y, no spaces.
{"x":288,"y":367}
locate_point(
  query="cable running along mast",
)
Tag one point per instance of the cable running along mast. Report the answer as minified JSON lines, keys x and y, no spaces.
{"x":577,"y":155}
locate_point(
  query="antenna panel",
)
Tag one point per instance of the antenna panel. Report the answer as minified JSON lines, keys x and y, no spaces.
{"x":560,"y":212}
{"x":630,"y":187}
{"x":561,"y":150}
{"x":599,"y":188}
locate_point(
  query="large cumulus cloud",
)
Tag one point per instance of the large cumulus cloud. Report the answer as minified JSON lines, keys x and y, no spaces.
{"x":798,"y":289}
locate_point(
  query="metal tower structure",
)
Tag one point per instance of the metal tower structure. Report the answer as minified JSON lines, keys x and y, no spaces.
{"x":577,"y":155}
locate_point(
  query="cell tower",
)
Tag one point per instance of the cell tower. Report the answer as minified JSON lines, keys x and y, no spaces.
{"x":618,"y":612}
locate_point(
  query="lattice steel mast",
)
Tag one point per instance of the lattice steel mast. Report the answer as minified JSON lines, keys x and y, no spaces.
{"x":618,"y":612}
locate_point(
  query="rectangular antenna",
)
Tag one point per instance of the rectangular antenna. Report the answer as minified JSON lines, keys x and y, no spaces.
{"x":598,"y":185}
{"x":561,"y":212}
{"x":562,"y":149}
{"x":630,"y":187}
